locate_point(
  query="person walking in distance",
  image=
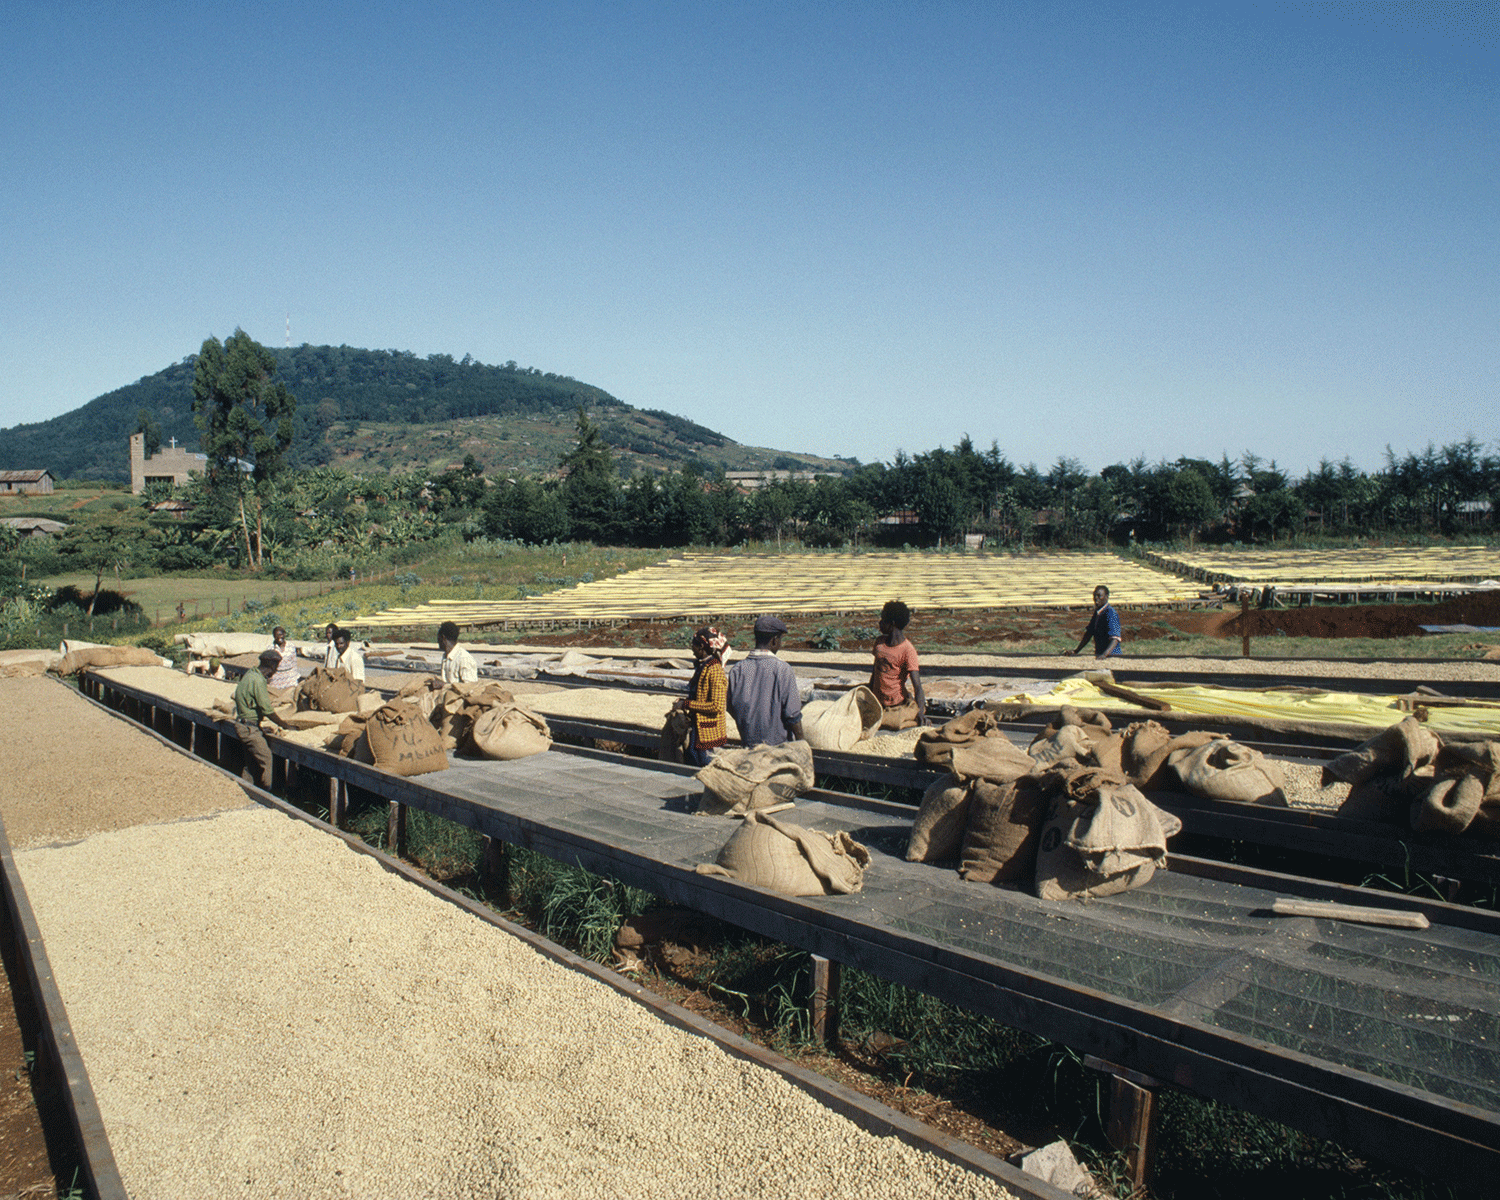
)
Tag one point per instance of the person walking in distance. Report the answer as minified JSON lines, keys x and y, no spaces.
{"x":1103,"y":627}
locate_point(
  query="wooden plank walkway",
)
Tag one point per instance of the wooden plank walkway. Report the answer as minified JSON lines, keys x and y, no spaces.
{"x":1386,"y":1041}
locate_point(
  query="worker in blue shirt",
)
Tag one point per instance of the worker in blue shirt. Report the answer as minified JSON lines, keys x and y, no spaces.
{"x":1103,"y":627}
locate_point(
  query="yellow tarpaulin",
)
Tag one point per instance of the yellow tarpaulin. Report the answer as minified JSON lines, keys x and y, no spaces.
{"x":1336,"y":708}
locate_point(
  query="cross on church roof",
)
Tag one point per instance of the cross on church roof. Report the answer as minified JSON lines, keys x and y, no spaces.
{"x":174,"y":442}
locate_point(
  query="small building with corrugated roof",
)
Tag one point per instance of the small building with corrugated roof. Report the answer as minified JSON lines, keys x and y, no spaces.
{"x":29,"y":483}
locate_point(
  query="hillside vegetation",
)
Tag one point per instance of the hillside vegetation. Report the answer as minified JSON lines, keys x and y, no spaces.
{"x":394,"y":411}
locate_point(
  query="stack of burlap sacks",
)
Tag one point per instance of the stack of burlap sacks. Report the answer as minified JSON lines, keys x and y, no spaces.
{"x":1067,"y":814}
{"x":753,"y":784}
{"x":1408,"y":772}
{"x":412,"y":734}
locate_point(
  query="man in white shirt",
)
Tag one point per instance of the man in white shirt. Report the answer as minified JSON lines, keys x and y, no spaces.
{"x":349,"y":656}
{"x":458,"y":664}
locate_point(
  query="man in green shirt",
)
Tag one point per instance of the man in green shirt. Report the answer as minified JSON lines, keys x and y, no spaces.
{"x":252,"y":701}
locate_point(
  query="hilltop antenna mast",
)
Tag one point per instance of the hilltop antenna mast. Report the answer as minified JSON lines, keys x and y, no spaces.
{"x":289,"y":331}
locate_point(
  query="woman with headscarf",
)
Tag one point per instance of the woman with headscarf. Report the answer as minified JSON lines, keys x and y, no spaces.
{"x":708,"y":695}
{"x":286,"y":667}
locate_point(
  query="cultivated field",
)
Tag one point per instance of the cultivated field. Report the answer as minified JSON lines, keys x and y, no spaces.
{"x":742,"y":585}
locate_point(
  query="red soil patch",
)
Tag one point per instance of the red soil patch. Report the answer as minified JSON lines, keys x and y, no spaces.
{"x":1346,"y":620}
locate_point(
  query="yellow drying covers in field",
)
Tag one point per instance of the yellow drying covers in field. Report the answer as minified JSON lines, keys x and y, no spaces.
{"x":1337,"y":708}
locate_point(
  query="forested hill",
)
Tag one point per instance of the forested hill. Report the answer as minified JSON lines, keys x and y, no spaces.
{"x":391,"y":410}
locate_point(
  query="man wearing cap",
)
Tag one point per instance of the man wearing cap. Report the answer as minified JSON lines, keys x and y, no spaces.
{"x":763,"y":697}
{"x":252,"y":702}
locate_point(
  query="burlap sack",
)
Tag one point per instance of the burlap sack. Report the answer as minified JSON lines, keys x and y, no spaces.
{"x":352,"y":741}
{"x":1146,"y":745}
{"x":508,"y":731}
{"x":676,"y":737}
{"x":746,"y":778}
{"x":222,"y":645}
{"x":1448,"y":806}
{"x":107,"y":656}
{"x":935,"y":746}
{"x":15,"y":670}
{"x":420,"y":686}
{"x":457,"y":709}
{"x":937,"y":831}
{"x":483,"y":691}
{"x":1107,"y":841}
{"x":1005,"y":822}
{"x":1071,"y":715}
{"x":1063,"y":742}
{"x":403,"y":742}
{"x":1405,"y":748}
{"x":1225,"y":770}
{"x":334,"y":691}
{"x":839,"y":724}
{"x":311,"y":719}
{"x":768,"y":853}
{"x":899,"y":716}
{"x":17,"y":658}
{"x":997,"y":759}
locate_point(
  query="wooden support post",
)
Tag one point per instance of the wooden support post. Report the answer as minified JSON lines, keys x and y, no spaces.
{"x":823,"y":1009}
{"x":1245,"y":620}
{"x":494,"y":869}
{"x":1131,"y":1127}
{"x":338,"y":802}
{"x":395,"y":829}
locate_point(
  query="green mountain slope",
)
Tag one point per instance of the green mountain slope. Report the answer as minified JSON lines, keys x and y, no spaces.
{"x":390,"y":410}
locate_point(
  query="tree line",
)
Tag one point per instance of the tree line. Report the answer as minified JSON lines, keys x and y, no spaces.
{"x":253,"y":508}
{"x":938,"y":496}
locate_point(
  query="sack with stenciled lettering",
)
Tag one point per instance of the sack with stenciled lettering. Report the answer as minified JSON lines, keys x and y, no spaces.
{"x":403,"y":741}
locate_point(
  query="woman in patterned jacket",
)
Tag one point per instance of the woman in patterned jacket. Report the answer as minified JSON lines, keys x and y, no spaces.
{"x":708,"y":695}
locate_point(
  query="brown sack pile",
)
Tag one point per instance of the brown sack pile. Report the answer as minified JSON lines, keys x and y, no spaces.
{"x":403,"y":741}
{"x":1080,"y":734}
{"x":738,"y":781}
{"x":1101,"y":837}
{"x":1065,"y":815}
{"x":334,"y":691}
{"x":789,"y":859}
{"x":1409,"y":771}
{"x":481,"y":720}
{"x":935,"y":746}
{"x":1145,"y":748}
{"x":972,"y":812}
{"x":1005,"y":820}
{"x":839,"y":724}
{"x":458,"y":706}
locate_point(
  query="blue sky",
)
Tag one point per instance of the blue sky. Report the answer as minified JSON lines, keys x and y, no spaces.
{"x":1093,"y":230}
